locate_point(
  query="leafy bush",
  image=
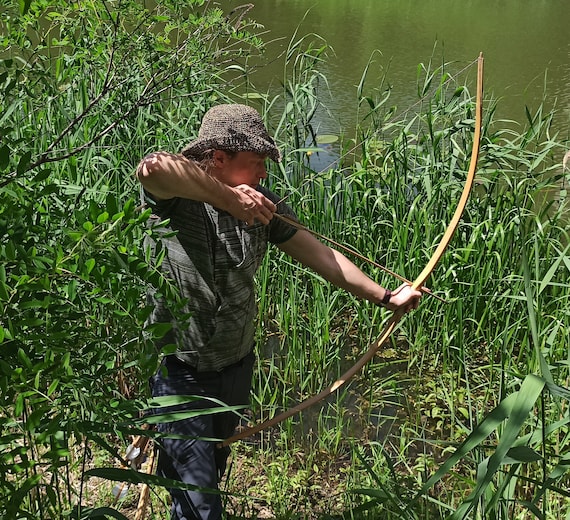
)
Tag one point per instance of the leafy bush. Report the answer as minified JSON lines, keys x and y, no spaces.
{"x":86,"y":88}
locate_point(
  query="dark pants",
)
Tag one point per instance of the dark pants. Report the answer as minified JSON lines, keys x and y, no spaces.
{"x":196,"y":461}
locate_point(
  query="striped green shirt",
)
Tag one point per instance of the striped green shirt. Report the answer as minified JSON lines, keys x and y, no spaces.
{"x":212,"y":258}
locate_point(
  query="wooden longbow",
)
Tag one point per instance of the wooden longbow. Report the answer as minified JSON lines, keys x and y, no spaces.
{"x":416,"y":284}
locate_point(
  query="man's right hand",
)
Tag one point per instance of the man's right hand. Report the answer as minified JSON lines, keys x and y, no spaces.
{"x":250,"y":205}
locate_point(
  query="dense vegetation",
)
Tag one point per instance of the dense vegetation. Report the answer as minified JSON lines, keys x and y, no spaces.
{"x":464,"y":415}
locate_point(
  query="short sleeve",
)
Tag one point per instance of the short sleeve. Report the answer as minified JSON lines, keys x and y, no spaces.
{"x":280,"y":231}
{"x":160,"y":207}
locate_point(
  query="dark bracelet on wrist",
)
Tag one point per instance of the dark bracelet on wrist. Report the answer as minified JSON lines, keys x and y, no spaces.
{"x":386,"y":300}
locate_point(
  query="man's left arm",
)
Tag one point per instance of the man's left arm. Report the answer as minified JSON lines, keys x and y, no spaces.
{"x":340,"y":271}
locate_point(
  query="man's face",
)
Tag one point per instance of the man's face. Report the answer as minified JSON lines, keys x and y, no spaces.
{"x":243,"y":168}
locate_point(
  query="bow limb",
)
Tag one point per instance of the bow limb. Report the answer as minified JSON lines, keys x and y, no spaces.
{"x":390,"y":326}
{"x":452,"y":226}
{"x":416,"y":284}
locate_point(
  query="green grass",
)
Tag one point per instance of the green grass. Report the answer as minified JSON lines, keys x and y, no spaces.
{"x":464,"y":413}
{"x":503,"y":329}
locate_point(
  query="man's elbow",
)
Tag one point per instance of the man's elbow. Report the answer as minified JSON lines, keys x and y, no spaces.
{"x":151,"y":173}
{"x":147,"y":168}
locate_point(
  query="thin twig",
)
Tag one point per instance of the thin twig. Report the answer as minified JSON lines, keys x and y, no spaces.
{"x":144,"y":497}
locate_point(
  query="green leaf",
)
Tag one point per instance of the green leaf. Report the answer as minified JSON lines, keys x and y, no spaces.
{"x":76,"y":236}
{"x":4,"y":157}
{"x":526,"y":397}
{"x":533,"y":509}
{"x":171,"y":348}
{"x":158,"y":330}
{"x":36,"y":304}
{"x":71,"y":290}
{"x":102,"y":512}
{"x":23,"y":357}
{"x":103,"y":217}
{"x":189,"y":414}
{"x":19,"y":405}
{"x":89,"y":265}
{"x":94,"y":513}
{"x":552,"y":271}
{"x":24,"y":162}
{"x":558,"y":390}
{"x":327,"y":139}
{"x":532,"y":319}
{"x":4,"y":291}
{"x":523,"y":454}
{"x":136,"y":477}
{"x":24,"y":6}
{"x":111,"y":205}
{"x":53,"y":387}
{"x":18,"y":496}
{"x":42,"y":175}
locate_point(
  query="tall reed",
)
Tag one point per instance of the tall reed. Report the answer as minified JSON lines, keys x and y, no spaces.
{"x":464,"y":363}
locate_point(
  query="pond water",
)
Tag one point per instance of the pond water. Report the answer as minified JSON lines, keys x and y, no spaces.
{"x":526,"y":45}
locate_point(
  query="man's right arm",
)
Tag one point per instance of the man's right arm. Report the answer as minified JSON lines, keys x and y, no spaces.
{"x":166,"y":175}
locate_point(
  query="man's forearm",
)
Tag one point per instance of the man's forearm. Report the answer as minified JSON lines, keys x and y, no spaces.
{"x":167,"y":175}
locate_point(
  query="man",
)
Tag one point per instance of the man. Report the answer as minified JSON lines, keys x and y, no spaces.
{"x":224,"y":221}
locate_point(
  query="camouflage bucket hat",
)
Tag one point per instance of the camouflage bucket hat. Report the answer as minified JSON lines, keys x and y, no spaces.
{"x":233,"y":128}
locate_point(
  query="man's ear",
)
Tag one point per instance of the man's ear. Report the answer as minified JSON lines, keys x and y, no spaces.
{"x":219,"y":158}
